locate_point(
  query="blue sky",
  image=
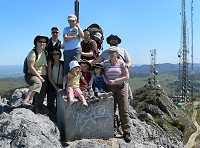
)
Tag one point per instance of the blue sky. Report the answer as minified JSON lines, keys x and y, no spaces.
{"x":142,"y":25}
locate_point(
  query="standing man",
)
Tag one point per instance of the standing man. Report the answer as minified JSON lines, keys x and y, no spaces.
{"x":114,"y":40}
{"x":89,"y":47}
{"x":54,"y":44}
{"x":72,"y":48}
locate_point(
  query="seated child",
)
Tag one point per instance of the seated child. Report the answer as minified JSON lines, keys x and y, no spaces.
{"x":97,"y":81}
{"x":85,"y":67}
{"x":73,"y":83}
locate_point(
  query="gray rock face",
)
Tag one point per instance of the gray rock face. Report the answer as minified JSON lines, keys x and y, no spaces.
{"x":22,"y":128}
{"x":167,"y":124}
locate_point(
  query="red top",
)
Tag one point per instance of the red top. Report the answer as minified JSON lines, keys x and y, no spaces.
{"x":87,"y":76}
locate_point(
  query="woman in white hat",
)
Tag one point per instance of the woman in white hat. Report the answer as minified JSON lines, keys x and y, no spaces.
{"x":117,"y":75}
{"x":73,"y":83}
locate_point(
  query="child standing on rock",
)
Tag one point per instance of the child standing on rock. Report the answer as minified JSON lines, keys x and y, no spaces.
{"x":73,"y":83}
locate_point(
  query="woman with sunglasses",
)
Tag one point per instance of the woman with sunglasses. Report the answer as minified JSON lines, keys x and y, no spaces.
{"x":55,"y":76}
{"x":37,"y":65}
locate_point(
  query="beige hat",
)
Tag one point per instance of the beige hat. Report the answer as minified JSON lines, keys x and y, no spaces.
{"x":72,"y":17}
{"x":114,"y":48}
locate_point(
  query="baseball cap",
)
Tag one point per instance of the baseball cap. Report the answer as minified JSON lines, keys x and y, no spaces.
{"x":98,"y":35}
{"x":72,"y":17}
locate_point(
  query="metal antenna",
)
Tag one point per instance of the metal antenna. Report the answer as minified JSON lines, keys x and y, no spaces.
{"x":153,"y":70}
{"x":192,"y":55}
{"x":184,"y":63}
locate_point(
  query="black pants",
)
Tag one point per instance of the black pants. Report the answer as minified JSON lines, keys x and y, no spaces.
{"x":51,"y":95}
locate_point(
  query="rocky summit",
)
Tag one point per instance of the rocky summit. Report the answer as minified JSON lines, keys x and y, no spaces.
{"x":156,"y":122}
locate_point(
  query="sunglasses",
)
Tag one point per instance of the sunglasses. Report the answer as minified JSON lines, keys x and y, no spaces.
{"x":111,"y":52}
{"x":42,"y":41}
{"x":55,"y":32}
{"x":56,"y":54}
{"x":71,"y":20}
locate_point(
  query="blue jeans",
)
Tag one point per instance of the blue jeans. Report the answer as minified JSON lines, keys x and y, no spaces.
{"x":70,"y":55}
{"x":98,"y":85}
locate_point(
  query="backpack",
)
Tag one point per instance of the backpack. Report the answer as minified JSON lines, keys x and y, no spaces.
{"x":94,"y":28}
{"x":25,"y":66}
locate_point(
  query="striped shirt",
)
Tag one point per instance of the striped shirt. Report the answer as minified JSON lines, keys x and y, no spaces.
{"x":113,"y":72}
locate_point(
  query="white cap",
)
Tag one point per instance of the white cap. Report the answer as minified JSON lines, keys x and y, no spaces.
{"x":73,"y":64}
{"x":72,"y":17}
{"x":98,"y":35}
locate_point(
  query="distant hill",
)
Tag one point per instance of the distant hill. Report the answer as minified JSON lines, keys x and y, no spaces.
{"x":16,"y":70}
{"x":163,"y":68}
{"x":11,"y":71}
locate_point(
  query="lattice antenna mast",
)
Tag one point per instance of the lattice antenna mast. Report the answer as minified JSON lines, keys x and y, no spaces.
{"x":153,"y":70}
{"x":184,"y":75}
{"x":192,"y":55}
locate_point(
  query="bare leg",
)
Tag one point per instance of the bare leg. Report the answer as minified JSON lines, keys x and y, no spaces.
{"x":82,"y":98}
{"x":29,"y":96}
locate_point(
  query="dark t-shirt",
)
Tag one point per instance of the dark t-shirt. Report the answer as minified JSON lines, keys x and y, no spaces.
{"x":87,"y":47}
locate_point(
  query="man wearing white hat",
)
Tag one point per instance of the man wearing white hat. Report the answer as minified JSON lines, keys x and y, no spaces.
{"x":71,"y":43}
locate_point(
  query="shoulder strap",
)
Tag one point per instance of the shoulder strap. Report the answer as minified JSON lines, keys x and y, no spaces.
{"x":58,"y":72}
{"x":122,"y":57}
{"x":36,"y":53}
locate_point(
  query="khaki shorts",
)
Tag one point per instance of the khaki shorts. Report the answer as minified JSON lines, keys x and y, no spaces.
{"x":34,"y":83}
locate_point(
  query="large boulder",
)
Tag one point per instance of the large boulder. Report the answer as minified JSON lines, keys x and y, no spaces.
{"x":155,"y":108}
{"x":23,"y":128}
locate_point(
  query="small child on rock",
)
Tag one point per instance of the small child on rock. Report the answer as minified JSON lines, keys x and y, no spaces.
{"x":73,"y":83}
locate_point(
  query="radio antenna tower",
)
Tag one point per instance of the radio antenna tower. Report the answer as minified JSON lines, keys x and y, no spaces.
{"x":192,"y":55}
{"x":183,"y":56}
{"x":153,"y":70}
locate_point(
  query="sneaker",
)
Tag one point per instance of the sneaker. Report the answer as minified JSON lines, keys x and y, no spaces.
{"x":71,"y":101}
{"x":109,"y":94}
{"x":127,"y":138}
{"x":26,"y":104}
{"x":84,"y":102}
{"x":118,"y":133}
{"x":102,"y":95}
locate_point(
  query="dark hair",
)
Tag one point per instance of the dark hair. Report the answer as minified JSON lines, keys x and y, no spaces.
{"x":85,"y":30}
{"x":54,"y":28}
{"x":59,"y":53}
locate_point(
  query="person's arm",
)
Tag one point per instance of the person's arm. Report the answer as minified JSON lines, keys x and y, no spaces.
{"x":128,"y":61}
{"x":91,"y":80}
{"x":88,"y":54}
{"x":128,"y":64}
{"x":84,"y":81}
{"x":104,"y":79}
{"x":69,"y":38}
{"x":80,"y":31}
{"x":98,"y":60}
